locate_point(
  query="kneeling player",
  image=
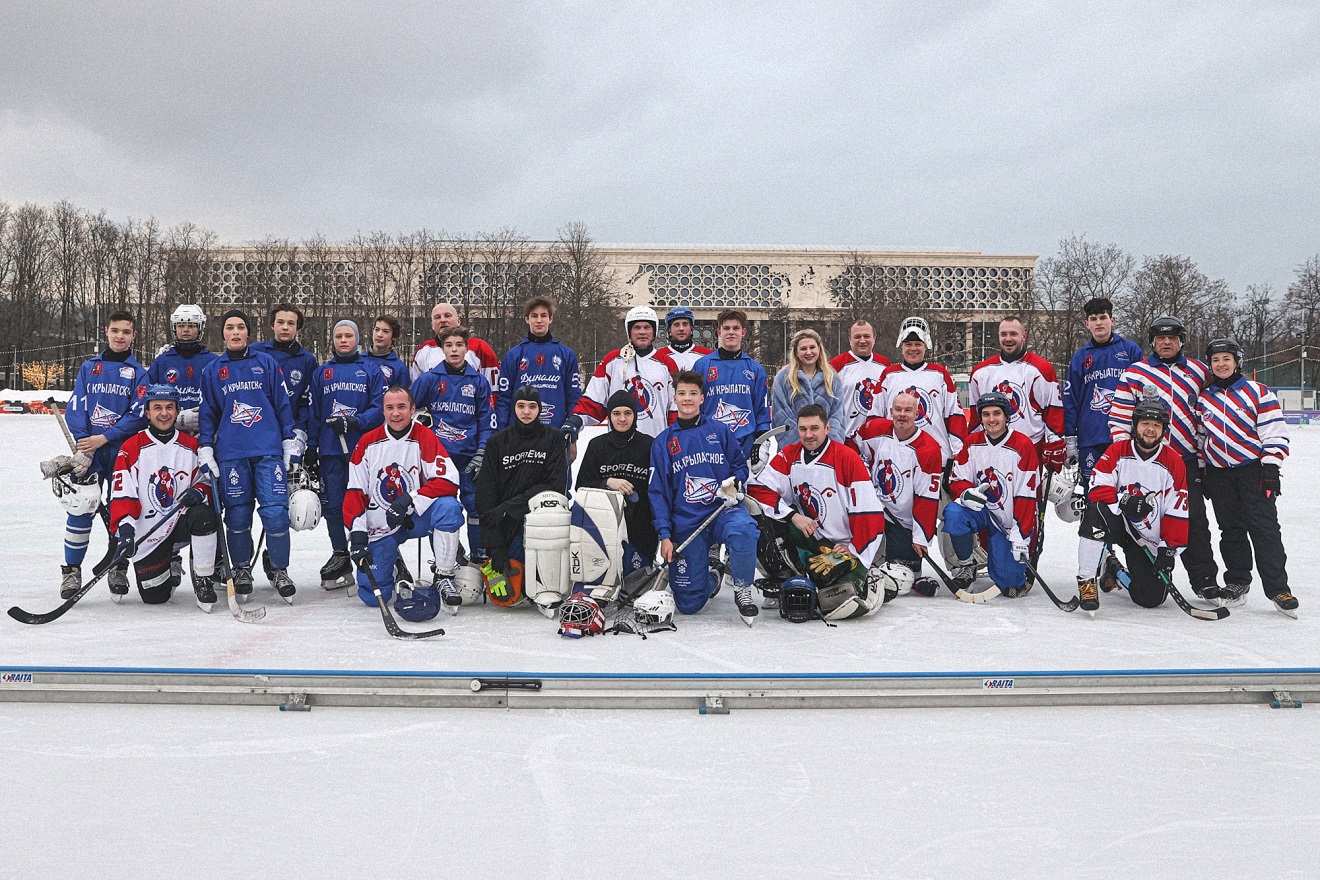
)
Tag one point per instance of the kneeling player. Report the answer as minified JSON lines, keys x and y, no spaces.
{"x":155,"y":475}
{"x":821,"y":492}
{"x":402,"y":484}
{"x":690,"y":461}
{"x":1138,"y":501}
{"x":994,"y":484}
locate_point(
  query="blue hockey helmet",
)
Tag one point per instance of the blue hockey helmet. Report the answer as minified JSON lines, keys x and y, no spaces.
{"x":797,"y":600}
{"x":422,"y":604}
{"x":679,"y":313}
{"x":160,"y":392}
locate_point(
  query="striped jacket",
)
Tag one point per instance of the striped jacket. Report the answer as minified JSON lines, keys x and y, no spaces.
{"x":1241,"y":424}
{"x":1179,"y":384}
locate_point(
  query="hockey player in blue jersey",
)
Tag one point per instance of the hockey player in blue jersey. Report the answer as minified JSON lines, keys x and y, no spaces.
{"x":382,"y":355}
{"x":345,"y":403}
{"x":460,"y":408}
{"x":737,"y":389}
{"x":697,"y":466}
{"x":1089,"y":391}
{"x":544,"y":362}
{"x":297,"y":363}
{"x":247,"y":445}
{"x":101,"y":416}
{"x":180,"y":365}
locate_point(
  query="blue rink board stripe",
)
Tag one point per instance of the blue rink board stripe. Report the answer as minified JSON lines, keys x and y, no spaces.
{"x":664,"y":676}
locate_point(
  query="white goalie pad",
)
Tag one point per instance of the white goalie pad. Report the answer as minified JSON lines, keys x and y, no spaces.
{"x":844,"y":600}
{"x":546,"y":579}
{"x":597,"y":535}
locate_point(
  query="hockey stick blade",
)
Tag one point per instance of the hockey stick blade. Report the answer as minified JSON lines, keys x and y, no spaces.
{"x":391,"y":625}
{"x":1178,"y":598}
{"x":963,"y":595}
{"x":1071,"y":605}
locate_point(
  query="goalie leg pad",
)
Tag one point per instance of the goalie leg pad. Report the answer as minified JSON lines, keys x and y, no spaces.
{"x":597,"y":536}
{"x":852,"y":595}
{"x":546,"y":529}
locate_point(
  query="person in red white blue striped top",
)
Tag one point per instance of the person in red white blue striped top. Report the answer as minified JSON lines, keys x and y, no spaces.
{"x":1243,"y":439}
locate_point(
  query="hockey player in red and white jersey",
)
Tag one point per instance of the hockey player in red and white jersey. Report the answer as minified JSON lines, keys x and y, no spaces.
{"x":402,"y":484}
{"x":906,"y":465}
{"x":681,"y":349}
{"x":1029,"y":381}
{"x":994,"y":488}
{"x":430,"y":354}
{"x":1138,"y":501}
{"x":939,"y":413}
{"x":859,"y":370}
{"x":820,"y":493}
{"x":638,"y":368}
{"x":156,"y":474}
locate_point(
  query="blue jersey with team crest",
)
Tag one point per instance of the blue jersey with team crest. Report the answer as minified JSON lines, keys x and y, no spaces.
{"x":245,"y":410}
{"x":393,"y":371}
{"x":549,"y":366}
{"x":737,"y":395}
{"x":106,"y":400}
{"x":1089,"y":391}
{"x":344,"y":388}
{"x":298,"y":367}
{"x":687,"y":467}
{"x":184,"y":374}
{"x":462,"y":408}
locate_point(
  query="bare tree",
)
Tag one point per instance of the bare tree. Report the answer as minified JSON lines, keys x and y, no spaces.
{"x":1302,"y":303}
{"x":588,"y":296}
{"x":1080,"y":271}
{"x":1173,"y":285}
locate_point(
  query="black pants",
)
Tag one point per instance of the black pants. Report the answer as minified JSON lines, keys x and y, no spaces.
{"x":1099,"y":523}
{"x":1198,"y":559}
{"x":1247,"y":520}
{"x":155,"y":582}
{"x":898,"y":546}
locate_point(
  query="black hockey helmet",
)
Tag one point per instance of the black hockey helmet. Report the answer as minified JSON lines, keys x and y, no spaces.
{"x":1167,"y":325}
{"x":1224,"y":345}
{"x":797,"y":600}
{"x":995,"y":398}
{"x":1151,"y":408}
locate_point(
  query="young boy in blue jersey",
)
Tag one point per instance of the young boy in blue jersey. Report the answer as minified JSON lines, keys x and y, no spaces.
{"x":99,"y":416}
{"x":542,"y":361}
{"x":248,"y":446}
{"x":346,"y":397}
{"x":181,"y":364}
{"x":460,"y":408}
{"x":737,"y":391}
{"x":382,"y":355}
{"x":297,"y":363}
{"x":697,"y":466}
{"x":1088,"y":392}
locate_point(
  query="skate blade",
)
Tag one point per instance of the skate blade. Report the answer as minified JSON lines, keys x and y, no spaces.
{"x":451,"y":610}
{"x":1092,"y":613}
{"x":117,"y":598}
{"x":334,"y":585}
{"x":546,"y":611}
{"x":205,"y":606}
{"x":287,"y":599}
{"x":1285,"y":611}
{"x":748,"y":619}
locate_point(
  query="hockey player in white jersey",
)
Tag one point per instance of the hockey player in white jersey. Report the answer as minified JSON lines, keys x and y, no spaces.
{"x":939,"y":413}
{"x":1028,"y":380}
{"x":430,"y":354}
{"x":638,"y":368}
{"x":859,"y":369}
{"x":682,"y":350}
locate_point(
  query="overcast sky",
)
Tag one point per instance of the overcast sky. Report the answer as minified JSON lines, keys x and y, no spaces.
{"x":1187,"y":128}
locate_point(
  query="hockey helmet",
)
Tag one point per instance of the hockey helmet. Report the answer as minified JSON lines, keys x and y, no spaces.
{"x":79,"y":497}
{"x":641,"y":313}
{"x":679,"y":313}
{"x":160,"y":391}
{"x":895,"y":577}
{"x":579,"y":616}
{"x":797,"y":600}
{"x":1224,"y":345}
{"x":655,"y":607}
{"x":1150,"y":407}
{"x":304,"y":510}
{"x":1063,"y":483}
{"x":1167,"y":325}
{"x":470,"y":585}
{"x":1070,"y":509}
{"x":914,"y":327}
{"x":995,"y":398}
{"x":189,"y":314}
{"x":418,"y":604}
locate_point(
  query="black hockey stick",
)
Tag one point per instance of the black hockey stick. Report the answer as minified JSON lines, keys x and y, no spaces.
{"x":1178,"y":597}
{"x":1041,"y":503}
{"x":244,"y":615}
{"x":653,"y":580}
{"x":391,"y":625}
{"x":1073,"y":603}
{"x":98,"y":572}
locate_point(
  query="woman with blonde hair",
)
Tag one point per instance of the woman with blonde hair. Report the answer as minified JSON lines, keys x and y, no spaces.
{"x":807,"y":378}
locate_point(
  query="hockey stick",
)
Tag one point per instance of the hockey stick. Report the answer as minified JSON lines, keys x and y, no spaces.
{"x":1041,"y":503}
{"x":392,"y":626}
{"x":99,"y":571}
{"x":963,"y":595}
{"x":245,"y":615}
{"x":1178,"y":597}
{"x":1072,"y":604}
{"x":756,"y":443}
{"x":652,"y":582}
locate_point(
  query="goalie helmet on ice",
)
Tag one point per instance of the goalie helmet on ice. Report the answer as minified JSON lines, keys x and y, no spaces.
{"x":579,"y":616}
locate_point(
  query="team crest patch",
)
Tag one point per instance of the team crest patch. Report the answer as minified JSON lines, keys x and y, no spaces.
{"x":674,"y":446}
{"x":699,"y":490}
{"x":996,"y":486}
{"x":712,"y":374}
{"x":865,"y":393}
{"x":1013,"y":393}
{"x":1102,"y":399}
{"x":1087,"y":361}
{"x":468,"y":391}
{"x":104,"y":418}
{"x":522,"y":364}
{"x":96,"y":368}
{"x":540,"y":360}
{"x":171,"y":376}
{"x":558,"y":362}
{"x":387,"y":372}
{"x":637,"y":388}
{"x":127,"y":372}
{"x":245,"y":414}
{"x":188,"y":371}
{"x":734,"y":417}
{"x":888,"y":480}
{"x":391,"y":484}
{"x":223,"y":373}
{"x":258,"y":371}
{"x":447,"y":432}
{"x":161,"y":484}
{"x":327,"y":374}
{"x":295,"y":376}
{"x":809,"y":501}
{"x":923,"y":406}
{"x":440,"y":389}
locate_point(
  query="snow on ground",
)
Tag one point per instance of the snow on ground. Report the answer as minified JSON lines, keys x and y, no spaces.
{"x":164,"y":791}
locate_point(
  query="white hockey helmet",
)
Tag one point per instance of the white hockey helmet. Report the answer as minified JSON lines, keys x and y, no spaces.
{"x":641,"y":313}
{"x":78,"y":498}
{"x":1063,"y":483}
{"x":1070,"y":509}
{"x":917,"y":327}
{"x":655,"y":607}
{"x":304,"y":504}
{"x":470,"y":585}
{"x":895,"y":577}
{"x":189,"y":314}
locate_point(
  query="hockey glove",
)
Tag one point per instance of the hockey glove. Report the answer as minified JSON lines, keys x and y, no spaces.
{"x":1135,"y":507}
{"x":1070,"y":447}
{"x":423,"y":417}
{"x":206,"y":463}
{"x":359,"y":549}
{"x":398,"y":514}
{"x":758,"y":450}
{"x":974,"y":499}
{"x":192,"y":498}
{"x":473,"y":470}
{"x":1021,"y":549}
{"x":342,"y":424}
{"x":188,"y":421}
{"x":1054,"y":454}
{"x":125,"y":538}
{"x":292,"y":454}
{"x":1269,"y":481}
{"x":729,"y":493}
{"x":1164,"y":563}
{"x":572,"y":427}
{"x":826,"y":568}
{"x":310,"y":459}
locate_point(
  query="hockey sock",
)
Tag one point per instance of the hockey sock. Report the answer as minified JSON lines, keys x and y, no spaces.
{"x":77,"y":534}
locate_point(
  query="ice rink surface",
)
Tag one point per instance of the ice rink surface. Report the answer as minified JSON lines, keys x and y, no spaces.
{"x":124,"y":791}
